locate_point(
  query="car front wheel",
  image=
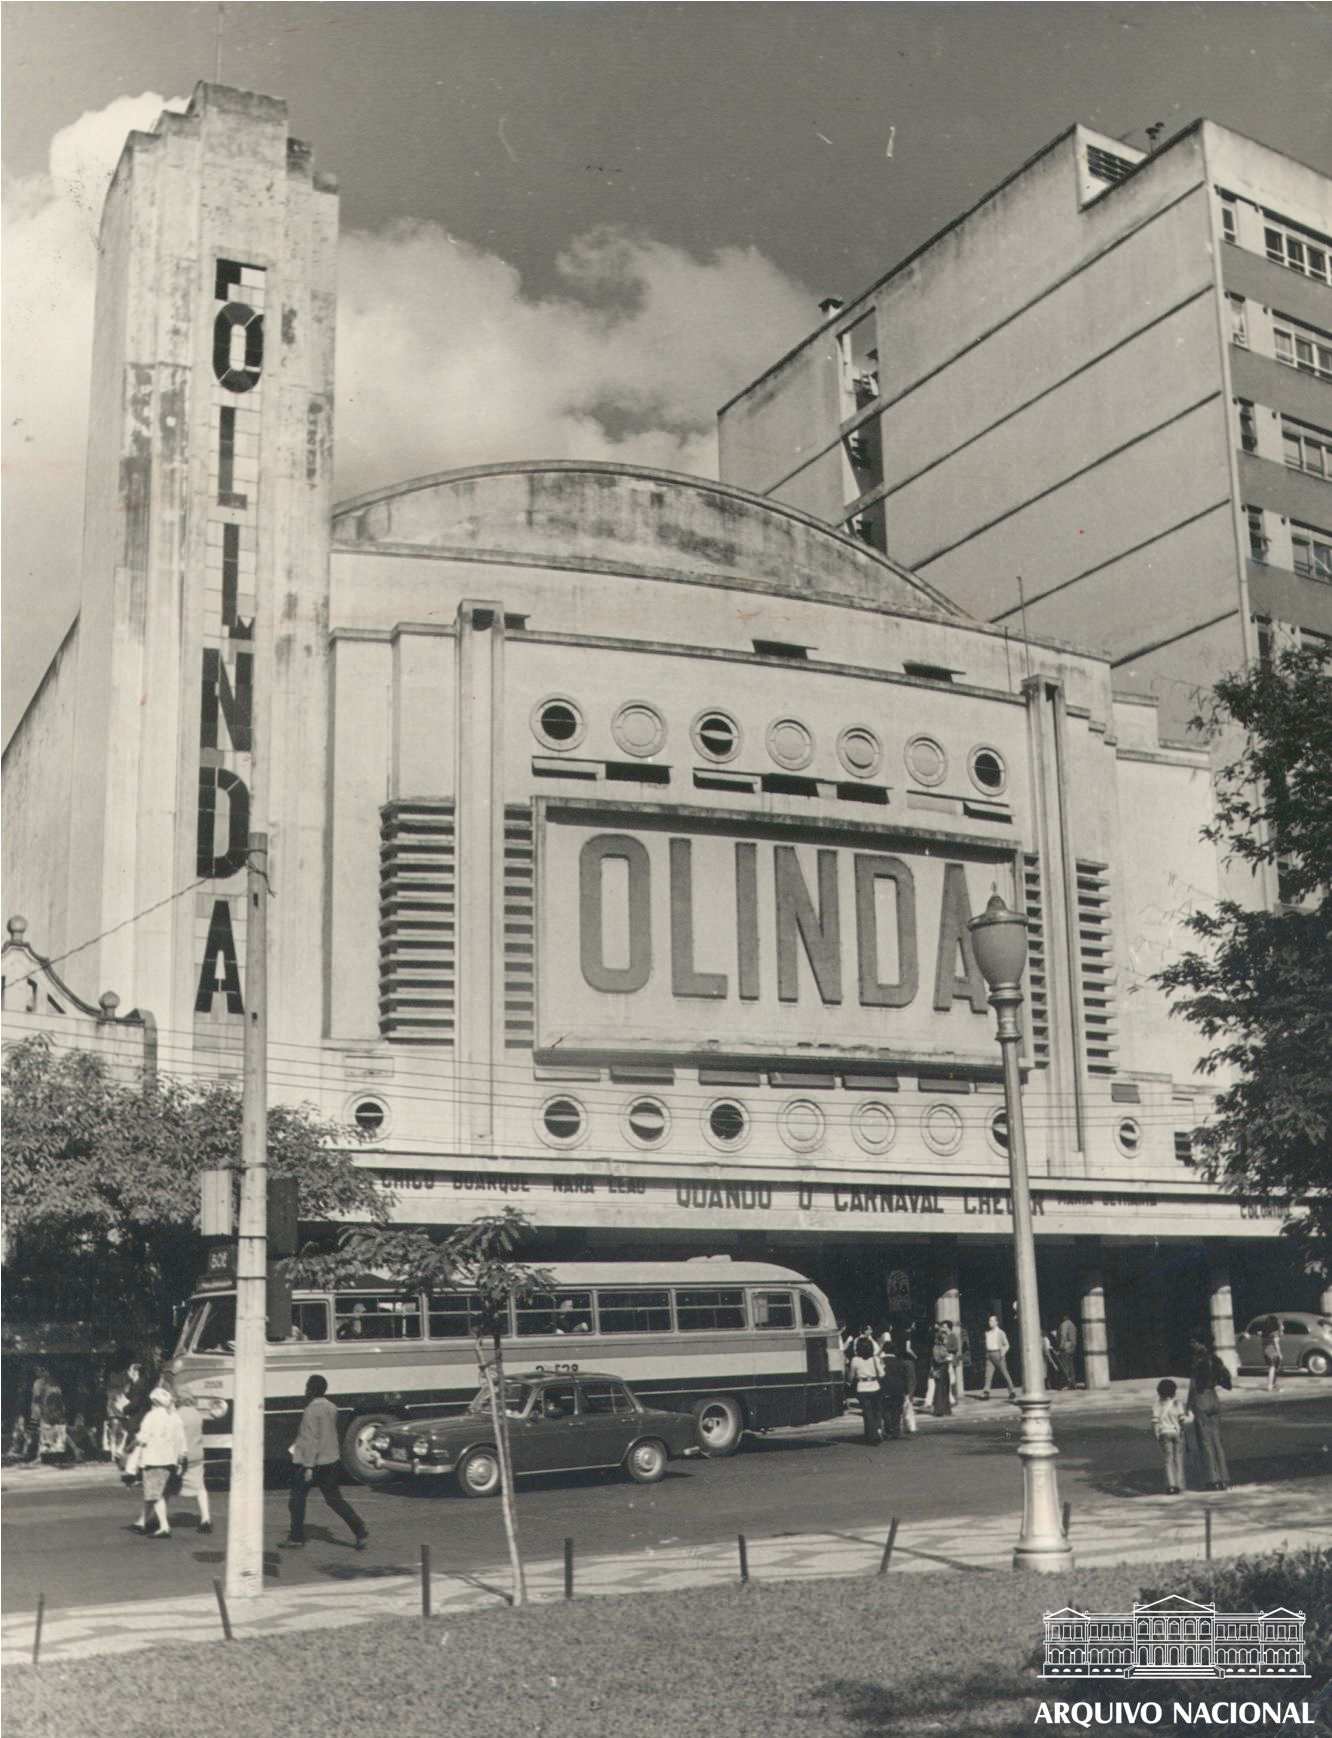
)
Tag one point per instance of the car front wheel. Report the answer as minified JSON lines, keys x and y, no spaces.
{"x":479,"y":1473}
{"x":646,"y":1462}
{"x":356,"y":1449}
{"x":1317,"y":1363}
{"x":721,"y":1424}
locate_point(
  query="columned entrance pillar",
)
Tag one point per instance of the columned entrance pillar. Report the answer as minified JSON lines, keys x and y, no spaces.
{"x":1325,"y":1302}
{"x":1223,"y":1315}
{"x":1095,"y":1343}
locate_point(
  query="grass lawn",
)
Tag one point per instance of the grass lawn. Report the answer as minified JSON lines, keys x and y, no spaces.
{"x":945,"y":1653}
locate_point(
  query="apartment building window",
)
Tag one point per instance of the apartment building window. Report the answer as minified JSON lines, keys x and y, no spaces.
{"x":1306,"y":448}
{"x":1299,"y":253}
{"x":1229,"y":226}
{"x":1247,"y":427}
{"x":1239,"y":321}
{"x":1303,"y":348}
{"x":1257,"y":536}
{"x":1311,"y":552}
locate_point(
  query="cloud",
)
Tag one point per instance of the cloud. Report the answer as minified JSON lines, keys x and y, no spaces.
{"x":444,"y":360}
{"x":49,"y":276}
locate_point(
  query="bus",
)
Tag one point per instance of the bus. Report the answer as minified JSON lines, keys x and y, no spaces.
{"x":743,"y":1345}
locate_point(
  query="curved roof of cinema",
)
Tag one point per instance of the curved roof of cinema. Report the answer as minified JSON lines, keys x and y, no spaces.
{"x":586,"y":517}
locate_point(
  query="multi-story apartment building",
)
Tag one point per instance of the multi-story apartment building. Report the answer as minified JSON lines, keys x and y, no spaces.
{"x":1102,"y":397}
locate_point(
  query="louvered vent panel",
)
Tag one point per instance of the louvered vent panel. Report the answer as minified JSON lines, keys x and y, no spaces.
{"x":519,"y":930}
{"x":417,"y":923}
{"x":1096,"y":951}
{"x":1106,"y":166}
{"x":1038,"y":1003}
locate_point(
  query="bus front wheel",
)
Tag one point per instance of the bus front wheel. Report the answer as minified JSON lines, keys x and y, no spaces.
{"x":721,"y":1424}
{"x":356,"y":1448}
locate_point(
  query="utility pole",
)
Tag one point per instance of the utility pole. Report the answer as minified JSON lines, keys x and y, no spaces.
{"x":245,"y":1510}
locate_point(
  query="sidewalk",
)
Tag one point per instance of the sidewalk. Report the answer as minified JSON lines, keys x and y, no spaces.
{"x":1137,"y":1393}
{"x":1247,"y":1518}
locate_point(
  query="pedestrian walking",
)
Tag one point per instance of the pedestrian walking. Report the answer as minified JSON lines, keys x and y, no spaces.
{"x":906,"y":1354}
{"x":192,"y":1479}
{"x":866,"y":1380}
{"x":961,"y":1363}
{"x":1273,"y":1352}
{"x":1207,"y":1376}
{"x":161,"y":1445}
{"x":1169,"y":1419}
{"x":53,"y":1431}
{"x":941,"y":1370}
{"x":893,"y":1389}
{"x":315,"y":1457}
{"x":1066,"y":1343}
{"x":1054,"y":1367}
{"x":996,"y":1358}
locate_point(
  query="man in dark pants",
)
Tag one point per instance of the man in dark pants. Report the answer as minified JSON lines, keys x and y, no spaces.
{"x":894,"y":1386}
{"x":315,"y":1463}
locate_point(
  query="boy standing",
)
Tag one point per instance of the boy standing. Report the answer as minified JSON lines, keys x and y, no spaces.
{"x":1168,"y":1421}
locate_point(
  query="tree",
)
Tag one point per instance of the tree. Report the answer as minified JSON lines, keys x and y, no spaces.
{"x":477,"y":1258}
{"x":102,"y":1184}
{"x":1260,"y":988}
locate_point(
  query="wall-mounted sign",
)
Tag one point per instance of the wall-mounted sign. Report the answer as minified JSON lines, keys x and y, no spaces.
{"x":685,"y":935}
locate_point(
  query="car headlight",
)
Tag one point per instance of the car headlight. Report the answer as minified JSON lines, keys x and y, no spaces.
{"x":379,"y":1440}
{"x":421,"y":1445}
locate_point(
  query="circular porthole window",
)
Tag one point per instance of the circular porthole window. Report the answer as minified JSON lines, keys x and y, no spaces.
{"x":562,"y":1122}
{"x":1128,"y":1136}
{"x":726,"y":1124}
{"x":646,"y":1121}
{"x":860,"y":751}
{"x":716,"y":735}
{"x":801,"y":1125}
{"x":557,"y":722}
{"x":997,"y":1131}
{"x":873,"y":1127}
{"x":790,"y":743}
{"x":639,"y":728}
{"x":370,"y":1117}
{"x":941,"y":1126}
{"x":926,"y":761}
{"x":987,"y":769}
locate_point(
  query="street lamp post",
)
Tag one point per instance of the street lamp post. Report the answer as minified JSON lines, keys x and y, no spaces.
{"x":999,"y":942}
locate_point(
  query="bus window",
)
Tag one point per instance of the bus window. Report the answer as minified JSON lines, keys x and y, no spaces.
{"x":773,"y":1309}
{"x":309,"y":1320}
{"x":380,"y":1316}
{"x":568,"y":1312}
{"x":634,"y":1312}
{"x":710,"y":1308}
{"x":455,"y":1318}
{"x":809,"y":1312}
{"x":218,"y":1333}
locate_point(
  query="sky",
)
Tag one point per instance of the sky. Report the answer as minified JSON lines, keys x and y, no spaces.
{"x":572,"y":231}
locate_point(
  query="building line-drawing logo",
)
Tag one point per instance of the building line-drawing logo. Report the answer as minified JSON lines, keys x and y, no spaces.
{"x":1173,"y":1638}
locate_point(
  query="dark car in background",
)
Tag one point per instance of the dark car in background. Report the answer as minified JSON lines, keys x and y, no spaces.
{"x":556,"y":1424}
{"x":1306,"y":1342}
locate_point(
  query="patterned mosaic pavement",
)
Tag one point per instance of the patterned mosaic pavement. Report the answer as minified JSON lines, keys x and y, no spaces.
{"x":1248,"y":1518}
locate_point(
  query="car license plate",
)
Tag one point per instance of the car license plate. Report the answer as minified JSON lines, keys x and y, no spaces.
{"x":398,"y":1454}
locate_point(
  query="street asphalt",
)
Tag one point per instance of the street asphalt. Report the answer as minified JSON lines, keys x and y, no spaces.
{"x":67,"y":1536}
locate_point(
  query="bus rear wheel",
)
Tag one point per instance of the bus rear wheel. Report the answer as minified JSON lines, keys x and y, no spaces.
{"x":356,"y":1448}
{"x":721,"y":1424}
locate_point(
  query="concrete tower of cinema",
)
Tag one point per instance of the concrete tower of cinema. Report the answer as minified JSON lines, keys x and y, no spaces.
{"x":185,"y":705}
{"x":625,"y":826}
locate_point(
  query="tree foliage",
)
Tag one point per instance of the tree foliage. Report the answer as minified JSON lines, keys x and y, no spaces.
{"x":102,"y":1184}
{"x":478,"y":1258}
{"x":1259,"y":988}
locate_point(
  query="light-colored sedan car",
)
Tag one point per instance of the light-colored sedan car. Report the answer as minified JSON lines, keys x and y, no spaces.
{"x":556,"y":1424}
{"x":1306,"y":1342}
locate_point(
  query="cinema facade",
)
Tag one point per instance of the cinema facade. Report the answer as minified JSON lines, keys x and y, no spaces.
{"x":624,"y":827}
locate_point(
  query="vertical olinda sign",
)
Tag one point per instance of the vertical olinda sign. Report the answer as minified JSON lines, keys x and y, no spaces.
{"x":226,"y":677}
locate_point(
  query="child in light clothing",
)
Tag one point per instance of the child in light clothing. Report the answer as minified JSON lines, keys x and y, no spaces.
{"x":1168,"y":1420}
